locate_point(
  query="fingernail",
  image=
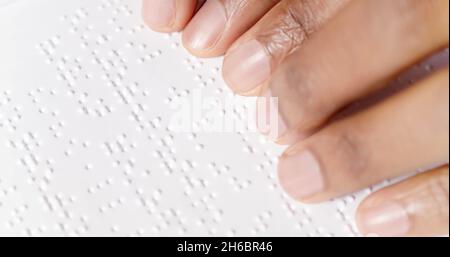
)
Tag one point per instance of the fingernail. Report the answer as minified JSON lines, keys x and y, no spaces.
{"x":301,"y":175}
{"x":246,"y":67}
{"x":269,"y":121}
{"x":206,"y":27}
{"x":159,"y":13}
{"x":387,"y":219}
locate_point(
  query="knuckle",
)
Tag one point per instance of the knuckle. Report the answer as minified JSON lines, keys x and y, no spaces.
{"x":284,"y":35}
{"x":351,"y":152}
{"x":296,"y":22}
{"x":300,"y":102}
{"x":303,"y":15}
{"x":306,"y":104}
{"x":232,"y":7}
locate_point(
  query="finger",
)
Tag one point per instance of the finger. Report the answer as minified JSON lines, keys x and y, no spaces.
{"x":253,"y":57}
{"x":406,"y":132}
{"x":220,"y":22}
{"x":366,"y":44}
{"x":167,"y":15}
{"x":415,"y":207}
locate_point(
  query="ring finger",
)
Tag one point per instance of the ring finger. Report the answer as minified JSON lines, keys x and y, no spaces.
{"x":407,"y":132}
{"x":355,"y":54}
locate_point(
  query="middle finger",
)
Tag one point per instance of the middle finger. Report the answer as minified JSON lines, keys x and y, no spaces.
{"x":252,"y":58}
{"x":365,"y":45}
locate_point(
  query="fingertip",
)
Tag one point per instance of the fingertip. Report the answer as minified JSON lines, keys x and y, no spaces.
{"x":159,"y":15}
{"x":167,"y":15}
{"x":301,"y":176}
{"x":205,"y":30}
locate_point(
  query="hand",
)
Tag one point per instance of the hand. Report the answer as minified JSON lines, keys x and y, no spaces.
{"x":318,"y":56}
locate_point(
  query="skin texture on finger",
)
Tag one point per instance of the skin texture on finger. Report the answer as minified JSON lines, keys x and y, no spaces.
{"x":365,"y":45}
{"x":417,"y":206}
{"x":167,"y":15}
{"x":252,"y":58}
{"x":405,"y":133}
{"x":220,"y":22}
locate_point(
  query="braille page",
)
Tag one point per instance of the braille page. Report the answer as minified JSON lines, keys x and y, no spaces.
{"x":86,"y":98}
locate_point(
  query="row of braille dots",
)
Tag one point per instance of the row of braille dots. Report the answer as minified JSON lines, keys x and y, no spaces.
{"x":48,"y":48}
{"x":111,"y":205}
{"x":122,"y":145}
{"x":239,"y":184}
{"x":137,"y":109}
{"x":117,"y":64}
{"x":99,"y":108}
{"x":36,"y":95}
{"x":74,"y":143}
{"x":29,"y":143}
{"x":55,"y":129}
{"x":127,"y":11}
{"x":44,"y":178}
{"x":193,"y":63}
{"x":55,"y":204}
{"x":205,"y":82}
{"x":217,"y":169}
{"x":76,"y":19}
{"x":32,"y":163}
{"x":101,"y":185}
{"x":126,"y":94}
{"x":116,"y":149}
{"x":59,"y":204}
{"x":262,"y":222}
{"x":213,"y":215}
{"x":143,"y":49}
{"x":17,"y":216}
{"x":193,"y":184}
{"x":342,"y":212}
{"x":70,"y":70}
{"x":168,"y":161}
{"x":146,"y":56}
{"x":119,"y":146}
{"x":114,"y":66}
{"x":294,"y":210}
{"x":10,"y":122}
{"x":39,"y":230}
{"x":5,"y":98}
{"x":6,"y":191}
{"x":151,"y":203}
{"x":118,"y":7}
{"x":175,"y":95}
{"x":167,"y":219}
{"x":114,"y":63}
{"x":267,"y":166}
